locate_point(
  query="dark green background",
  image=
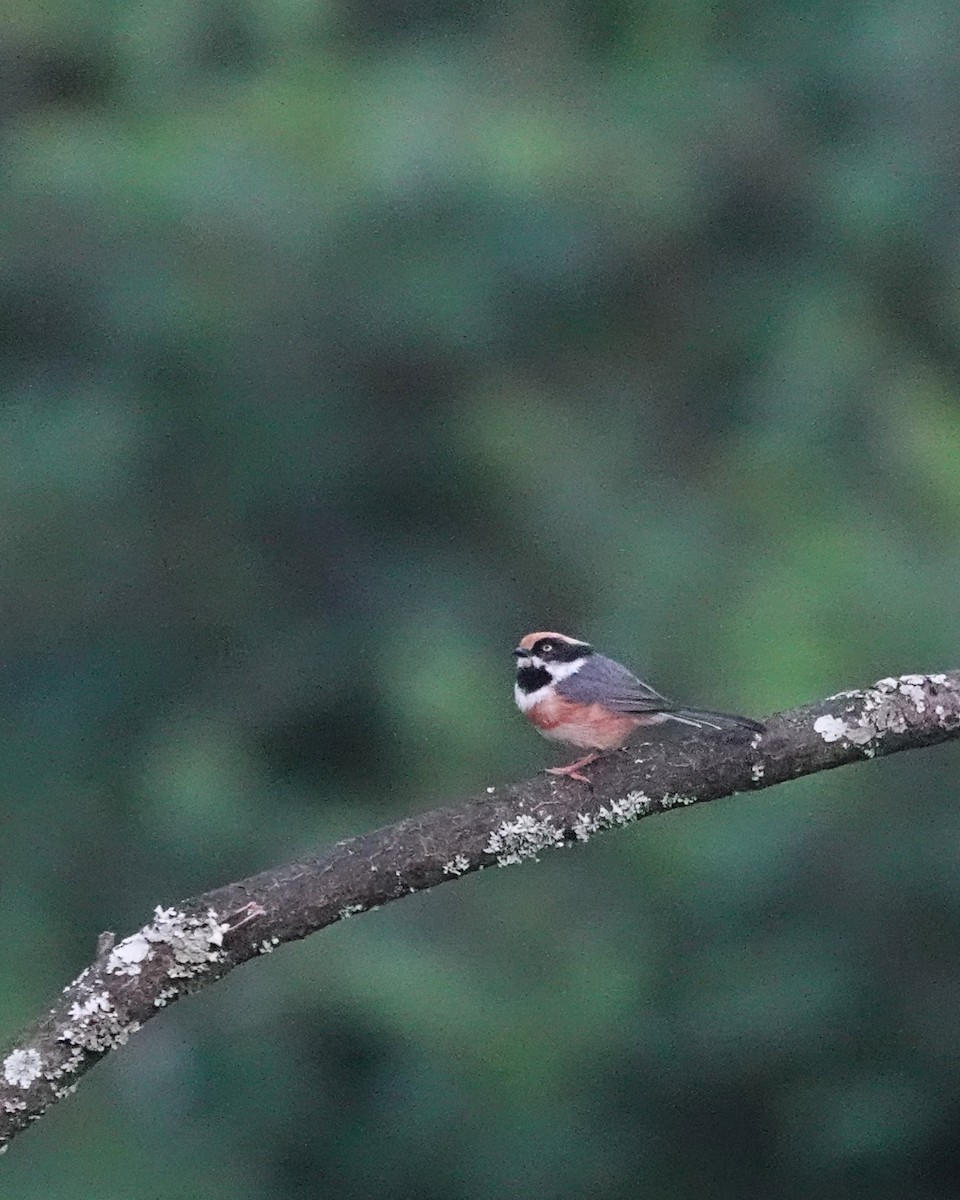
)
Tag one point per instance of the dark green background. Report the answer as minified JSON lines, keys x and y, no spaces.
{"x":342,"y":343}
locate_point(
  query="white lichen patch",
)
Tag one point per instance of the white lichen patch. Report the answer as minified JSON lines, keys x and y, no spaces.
{"x":882,"y":711}
{"x":757,"y":771}
{"x":164,"y":996}
{"x":585,"y":826}
{"x":633,"y":805}
{"x":195,"y":941}
{"x":458,"y":865}
{"x":350,"y":910}
{"x":831,"y":729}
{"x":68,"y":1066}
{"x":14,"y":1106}
{"x":676,"y":800}
{"x":621,"y":812}
{"x":514,"y":841}
{"x":22,"y":1067}
{"x":103,"y":1033}
{"x":97,"y":1003}
{"x":96,"y":1025}
{"x":126,"y":957}
{"x":914,"y":691}
{"x":268,"y":945}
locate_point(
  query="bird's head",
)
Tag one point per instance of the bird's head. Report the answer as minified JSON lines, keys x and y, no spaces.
{"x":554,"y":653}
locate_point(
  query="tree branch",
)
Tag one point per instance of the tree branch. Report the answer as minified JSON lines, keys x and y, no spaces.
{"x":193,"y":943}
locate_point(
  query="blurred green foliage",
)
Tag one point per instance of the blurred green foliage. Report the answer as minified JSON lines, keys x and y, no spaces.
{"x":341,"y":343}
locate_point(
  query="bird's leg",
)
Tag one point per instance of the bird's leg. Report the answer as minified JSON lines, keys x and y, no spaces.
{"x":572,"y":770}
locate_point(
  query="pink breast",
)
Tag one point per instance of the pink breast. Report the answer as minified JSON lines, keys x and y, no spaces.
{"x":588,"y":726}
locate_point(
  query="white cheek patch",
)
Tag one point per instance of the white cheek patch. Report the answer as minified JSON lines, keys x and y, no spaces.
{"x":561,"y":671}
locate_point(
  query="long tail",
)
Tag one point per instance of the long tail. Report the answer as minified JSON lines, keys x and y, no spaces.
{"x":700,"y":718}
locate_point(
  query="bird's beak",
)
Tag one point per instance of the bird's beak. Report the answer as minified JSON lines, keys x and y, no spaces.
{"x":521,"y":653}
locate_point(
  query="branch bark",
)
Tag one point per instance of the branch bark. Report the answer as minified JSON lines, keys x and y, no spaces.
{"x":191,"y":944}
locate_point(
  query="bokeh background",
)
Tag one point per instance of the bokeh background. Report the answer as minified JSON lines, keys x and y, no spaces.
{"x":340,"y":344}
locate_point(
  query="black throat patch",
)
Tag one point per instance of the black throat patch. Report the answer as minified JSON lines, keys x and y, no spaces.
{"x":531,"y":679}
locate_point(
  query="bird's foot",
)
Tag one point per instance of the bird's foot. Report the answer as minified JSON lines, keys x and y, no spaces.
{"x":572,"y":770}
{"x":250,"y":911}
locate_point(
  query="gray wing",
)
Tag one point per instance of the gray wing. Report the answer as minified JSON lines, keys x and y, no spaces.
{"x":602,"y":681}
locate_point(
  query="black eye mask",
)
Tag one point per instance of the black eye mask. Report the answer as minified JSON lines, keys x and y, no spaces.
{"x":561,"y":652}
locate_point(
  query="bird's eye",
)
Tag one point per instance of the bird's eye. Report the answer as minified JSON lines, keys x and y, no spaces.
{"x":546,"y":647}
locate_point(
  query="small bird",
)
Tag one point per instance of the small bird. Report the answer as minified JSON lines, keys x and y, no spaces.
{"x":574,"y":695}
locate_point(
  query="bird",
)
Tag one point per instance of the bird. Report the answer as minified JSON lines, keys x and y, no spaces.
{"x":574,"y":695}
